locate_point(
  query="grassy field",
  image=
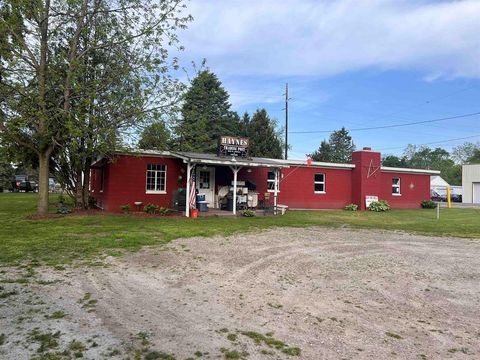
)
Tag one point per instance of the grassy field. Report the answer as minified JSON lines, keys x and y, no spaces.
{"x":69,"y":238}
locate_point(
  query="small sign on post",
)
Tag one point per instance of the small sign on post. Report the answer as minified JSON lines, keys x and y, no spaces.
{"x":370,"y":199}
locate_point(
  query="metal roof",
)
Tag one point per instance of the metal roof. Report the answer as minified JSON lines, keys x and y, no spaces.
{"x":412,"y":171}
{"x":213,"y":159}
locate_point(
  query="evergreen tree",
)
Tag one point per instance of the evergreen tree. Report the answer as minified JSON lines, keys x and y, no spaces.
{"x":324,"y":152}
{"x":206,"y":115}
{"x":244,"y":125}
{"x":155,"y":136}
{"x":338,"y":149}
{"x":265,"y":141}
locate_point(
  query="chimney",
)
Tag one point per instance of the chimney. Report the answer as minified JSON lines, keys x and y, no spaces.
{"x":367,"y":148}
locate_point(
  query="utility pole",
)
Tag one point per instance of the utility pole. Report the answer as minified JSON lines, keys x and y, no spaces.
{"x":286,"y":121}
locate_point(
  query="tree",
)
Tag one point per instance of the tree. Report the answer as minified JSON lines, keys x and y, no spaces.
{"x":206,"y":108}
{"x":156,"y":136}
{"x":474,"y":158}
{"x":338,"y":149}
{"x":434,"y":159}
{"x":6,"y":170}
{"x":244,"y":125}
{"x":323,"y":153}
{"x":462,"y":154}
{"x":265,"y":140}
{"x":76,"y":73}
{"x":394,"y":161}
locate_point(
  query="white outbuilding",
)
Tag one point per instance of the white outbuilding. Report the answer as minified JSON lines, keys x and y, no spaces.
{"x":471,"y":184}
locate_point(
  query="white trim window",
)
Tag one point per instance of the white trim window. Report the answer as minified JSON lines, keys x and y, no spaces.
{"x":396,"y":186}
{"x":319,"y":183}
{"x":156,"y":179}
{"x":271,"y":182}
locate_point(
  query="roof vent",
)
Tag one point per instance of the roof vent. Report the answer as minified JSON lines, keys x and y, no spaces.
{"x":367,"y":148}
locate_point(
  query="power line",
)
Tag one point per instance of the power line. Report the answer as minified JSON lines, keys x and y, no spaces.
{"x":389,"y":126}
{"x":433,"y":142}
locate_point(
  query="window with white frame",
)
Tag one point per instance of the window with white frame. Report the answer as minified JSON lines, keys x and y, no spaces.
{"x":156,"y":178}
{"x":271,"y":182}
{"x":396,"y":186}
{"x":319,"y":183}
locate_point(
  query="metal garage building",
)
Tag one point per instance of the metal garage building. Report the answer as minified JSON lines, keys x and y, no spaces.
{"x":471,"y":184}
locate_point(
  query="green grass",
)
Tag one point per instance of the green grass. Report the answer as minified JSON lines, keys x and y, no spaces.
{"x":62,"y":240}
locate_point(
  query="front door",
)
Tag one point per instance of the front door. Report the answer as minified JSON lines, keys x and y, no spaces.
{"x":206,"y":183}
{"x":476,"y":193}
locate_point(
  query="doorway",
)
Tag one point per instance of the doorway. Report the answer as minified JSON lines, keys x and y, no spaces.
{"x":205,"y":177}
{"x":476,"y":193}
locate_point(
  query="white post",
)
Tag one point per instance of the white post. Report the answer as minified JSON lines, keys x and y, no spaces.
{"x":187,"y":197}
{"x":275,"y":191}
{"x":235,"y":170}
{"x":438,"y":211}
{"x":235,"y":191}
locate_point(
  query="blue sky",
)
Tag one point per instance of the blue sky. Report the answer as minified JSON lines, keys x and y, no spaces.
{"x":348,"y":63}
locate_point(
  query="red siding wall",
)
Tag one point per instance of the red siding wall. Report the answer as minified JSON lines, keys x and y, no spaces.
{"x":413,"y":188}
{"x":297,"y":188}
{"x":125,"y":183}
{"x":366,"y":180}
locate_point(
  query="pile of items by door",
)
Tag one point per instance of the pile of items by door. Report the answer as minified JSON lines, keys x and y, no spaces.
{"x":247,"y":197}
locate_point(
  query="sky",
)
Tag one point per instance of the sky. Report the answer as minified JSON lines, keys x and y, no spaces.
{"x":352,"y":63}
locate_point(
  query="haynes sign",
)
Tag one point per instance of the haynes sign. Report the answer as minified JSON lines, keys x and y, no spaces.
{"x":233,"y":146}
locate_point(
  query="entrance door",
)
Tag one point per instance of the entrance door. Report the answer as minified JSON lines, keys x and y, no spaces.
{"x":206,"y":183}
{"x":476,"y":193}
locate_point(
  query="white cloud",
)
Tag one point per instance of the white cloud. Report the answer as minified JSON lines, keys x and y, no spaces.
{"x":324,"y":38}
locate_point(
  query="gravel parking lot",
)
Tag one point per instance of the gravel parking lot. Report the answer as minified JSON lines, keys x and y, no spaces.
{"x":311,"y":293}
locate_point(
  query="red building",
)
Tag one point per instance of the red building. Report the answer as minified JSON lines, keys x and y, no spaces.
{"x":163,"y":178}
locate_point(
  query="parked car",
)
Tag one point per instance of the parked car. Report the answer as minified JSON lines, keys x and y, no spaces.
{"x":435,"y":196}
{"x":22,"y":183}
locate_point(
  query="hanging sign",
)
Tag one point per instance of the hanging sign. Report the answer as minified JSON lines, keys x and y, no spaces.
{"x":233,"y":146}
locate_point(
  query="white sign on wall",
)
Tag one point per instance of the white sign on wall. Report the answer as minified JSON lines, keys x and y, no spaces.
{"x":369,"y":199}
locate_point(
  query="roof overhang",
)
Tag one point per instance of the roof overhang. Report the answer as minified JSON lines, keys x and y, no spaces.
{"x":321,"y":164}
{"x":233,"y":161}
{"x":410,"y":171}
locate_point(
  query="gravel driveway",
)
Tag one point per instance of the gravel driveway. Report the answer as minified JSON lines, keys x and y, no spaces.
{"x":280,"y":294}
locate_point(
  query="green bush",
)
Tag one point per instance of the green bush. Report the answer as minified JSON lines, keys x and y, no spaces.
{"x":428,"y":204}
{"x":125,"y":208}
{"x":164,"y":211}
{"x":150,"y":208}
{"x":379,"y":206}
{"x":351,"y":207}
{"x":248,"y":213}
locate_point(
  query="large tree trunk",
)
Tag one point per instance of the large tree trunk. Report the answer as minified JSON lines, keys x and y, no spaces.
{"x":79,"y":201}
{"x":86,"y":182}
{"x":43,"y":173}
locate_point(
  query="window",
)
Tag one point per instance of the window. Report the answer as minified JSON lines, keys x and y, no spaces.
{"x":204,"y":176}
{"x":396,"y":186}
{"x":156,"y":178}
{"x":319,"y":183}
{"x":271,"y":182}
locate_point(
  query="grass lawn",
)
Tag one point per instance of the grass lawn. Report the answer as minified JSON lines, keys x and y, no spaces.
{"x":62,"y":240}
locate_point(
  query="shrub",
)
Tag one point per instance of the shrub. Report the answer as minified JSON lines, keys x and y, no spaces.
{"x":351,"y":207}
{"x":248,"y":213}
{"x":125,"y":208}
{"x":378,"y":206}
{"x":150,"y":208}
{"x":428,"y":204}
{"x":92,"y":202}
{"x":164,"y":211}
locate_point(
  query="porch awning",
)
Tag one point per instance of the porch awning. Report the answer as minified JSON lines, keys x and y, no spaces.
{"x":213,"y":159}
